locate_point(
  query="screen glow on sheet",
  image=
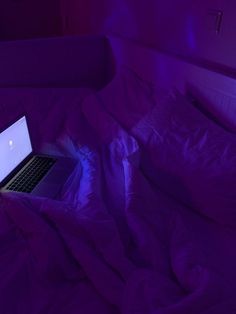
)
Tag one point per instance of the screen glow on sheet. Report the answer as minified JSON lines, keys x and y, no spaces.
{"x":15,"y":146}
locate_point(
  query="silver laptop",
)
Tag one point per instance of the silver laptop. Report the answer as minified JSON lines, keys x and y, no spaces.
{"x":23,"y":171}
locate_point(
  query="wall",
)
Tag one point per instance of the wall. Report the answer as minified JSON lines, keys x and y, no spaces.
{"x":21,"y":19}
{"x":187,"y":29}
{"x":103,"y":16}
{"x":180,"y":26}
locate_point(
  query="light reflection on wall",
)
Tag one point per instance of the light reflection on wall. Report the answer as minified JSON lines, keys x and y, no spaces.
{"x":121,"y":19}
{"x":191,"y":35}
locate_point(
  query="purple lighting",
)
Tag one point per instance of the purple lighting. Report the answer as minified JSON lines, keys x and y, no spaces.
{"x":146,"y":222}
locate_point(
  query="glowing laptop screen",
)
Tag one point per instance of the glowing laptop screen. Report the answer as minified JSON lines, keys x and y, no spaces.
{"x":15,"y":146}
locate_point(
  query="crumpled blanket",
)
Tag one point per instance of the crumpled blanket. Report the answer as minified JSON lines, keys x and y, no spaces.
{"x":113,"y":243}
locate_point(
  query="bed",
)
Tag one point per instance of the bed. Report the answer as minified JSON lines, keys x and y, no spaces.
{"x":149,"y":226}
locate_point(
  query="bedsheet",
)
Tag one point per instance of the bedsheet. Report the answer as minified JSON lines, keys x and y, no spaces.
{"x":113,"y":242}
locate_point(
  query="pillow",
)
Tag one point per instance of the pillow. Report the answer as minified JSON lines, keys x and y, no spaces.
{"x":190,"y":157}
{"x":218,"y":106}
{"x":127,"y":98}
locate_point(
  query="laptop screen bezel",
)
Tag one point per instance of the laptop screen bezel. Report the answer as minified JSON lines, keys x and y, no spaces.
{"x":25,"y":160}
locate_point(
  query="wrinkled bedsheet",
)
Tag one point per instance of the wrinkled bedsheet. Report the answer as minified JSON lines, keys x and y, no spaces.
{"x":113,"y":242}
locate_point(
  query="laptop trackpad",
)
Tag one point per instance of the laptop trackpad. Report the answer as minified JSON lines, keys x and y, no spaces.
{"x":56,"y":177}
{"x":53,"y":182}
{"x":47,"y":190}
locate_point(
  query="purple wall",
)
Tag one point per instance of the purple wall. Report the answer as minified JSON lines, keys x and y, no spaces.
{"x":182,"y":27}
{"x":21,"y":19}
{"x":188,"y":28}
{"x":125,"y":17}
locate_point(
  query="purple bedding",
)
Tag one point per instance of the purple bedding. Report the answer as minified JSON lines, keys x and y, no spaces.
{"x":118,"y":240}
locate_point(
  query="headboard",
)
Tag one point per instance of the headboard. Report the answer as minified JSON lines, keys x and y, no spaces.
{"x":54,"y":62}
{"x":216,"y":90}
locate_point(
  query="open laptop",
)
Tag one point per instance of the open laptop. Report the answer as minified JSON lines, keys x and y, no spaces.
{"x":23,"y":171}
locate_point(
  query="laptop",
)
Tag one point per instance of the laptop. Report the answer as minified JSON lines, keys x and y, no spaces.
{"x":23,"y":171}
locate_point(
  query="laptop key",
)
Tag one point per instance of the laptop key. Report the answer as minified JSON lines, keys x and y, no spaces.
{"x":27,"y":180}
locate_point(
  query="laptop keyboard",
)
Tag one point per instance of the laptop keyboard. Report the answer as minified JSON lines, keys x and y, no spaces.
{"x":27,"y":180}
